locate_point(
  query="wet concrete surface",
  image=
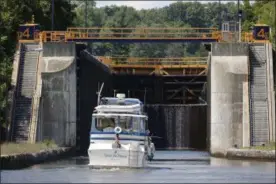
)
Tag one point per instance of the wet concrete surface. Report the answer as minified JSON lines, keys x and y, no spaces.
{"x":169,"y":167}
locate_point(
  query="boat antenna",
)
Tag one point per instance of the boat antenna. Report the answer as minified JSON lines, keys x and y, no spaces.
{"x":145,"y":96}
{"x":114,"y":92}
{"x":99,"y":93}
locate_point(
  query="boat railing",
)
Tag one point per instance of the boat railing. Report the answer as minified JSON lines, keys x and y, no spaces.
{"x":119,"y":114}
{"x":116,"y":112}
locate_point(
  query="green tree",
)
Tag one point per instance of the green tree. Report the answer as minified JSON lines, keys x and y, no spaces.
{"x":80,"y":10}
{"x":5,"y":71}
{"x":265,"y":11}
{"x":13,"y":13}
{"x":180,"y":14}
{"x":249,"y":17}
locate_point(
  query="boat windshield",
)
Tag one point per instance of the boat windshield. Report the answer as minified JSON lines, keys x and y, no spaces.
{"x":128,"y":124}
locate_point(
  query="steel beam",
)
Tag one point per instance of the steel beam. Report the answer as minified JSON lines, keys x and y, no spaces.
{"x":184,"y":83}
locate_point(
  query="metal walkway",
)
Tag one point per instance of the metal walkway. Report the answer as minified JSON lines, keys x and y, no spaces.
{"x":31,"y":32}
{"x":134,"y":35}
{"x":157,"y":66}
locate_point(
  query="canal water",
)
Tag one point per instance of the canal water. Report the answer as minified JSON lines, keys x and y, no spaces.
{"x":169,"y":167}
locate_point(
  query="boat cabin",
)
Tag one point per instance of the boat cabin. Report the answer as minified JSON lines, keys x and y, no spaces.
{"x":129,"y":124}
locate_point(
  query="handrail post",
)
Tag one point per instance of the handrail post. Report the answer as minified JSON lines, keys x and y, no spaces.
{"x":33,"y":119}
{"x":11,"y":131}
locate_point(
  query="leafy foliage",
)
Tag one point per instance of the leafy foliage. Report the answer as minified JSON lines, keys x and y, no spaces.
{"x":179,"y":14}
{"x":262,"y":11}
{"x":13,"y":13}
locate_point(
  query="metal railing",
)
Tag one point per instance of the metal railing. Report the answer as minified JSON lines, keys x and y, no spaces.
{"x":139,"y":34}
{"x":17,"y":57}
{"x":130,"y":33}
{"x":35,"y":105}
{"x":154,"y":62}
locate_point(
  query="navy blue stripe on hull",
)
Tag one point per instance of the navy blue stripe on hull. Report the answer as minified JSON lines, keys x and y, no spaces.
{"x":111,"y":138}
{"x":136,"y":134}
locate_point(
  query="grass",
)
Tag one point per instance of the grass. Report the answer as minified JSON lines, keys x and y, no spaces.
{"x":267,"y":147}
{"x":15,"y":148}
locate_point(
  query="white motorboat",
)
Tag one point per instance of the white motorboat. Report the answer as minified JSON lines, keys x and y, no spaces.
{"x":119,"y":135}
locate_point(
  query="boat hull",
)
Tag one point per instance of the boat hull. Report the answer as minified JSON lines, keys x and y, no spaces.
{"x":126,"y":156}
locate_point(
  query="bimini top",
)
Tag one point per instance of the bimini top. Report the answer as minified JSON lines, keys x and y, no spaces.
{"x":118,"y":101}
{"x":120,"y":105}
{"x":132,"y":109}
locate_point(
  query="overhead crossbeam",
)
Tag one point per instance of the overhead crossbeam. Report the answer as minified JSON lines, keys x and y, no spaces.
{"x":157,"y":66}
{"x":133,"y":35}
{"x":138,"y":62}
{"x":31,"y":32}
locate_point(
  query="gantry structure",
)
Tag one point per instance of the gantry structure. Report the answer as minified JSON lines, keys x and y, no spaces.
{"x":31,"y":32}
{"x":178,"y":80}
{"x":162,"y":66}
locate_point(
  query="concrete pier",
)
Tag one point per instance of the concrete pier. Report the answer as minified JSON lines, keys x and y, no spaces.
{"x":57,"y":117}
{"x":228,"y":102}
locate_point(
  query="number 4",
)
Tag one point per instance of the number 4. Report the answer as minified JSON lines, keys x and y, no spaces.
{"x":26,"y":33}
{"x":261,"y":33}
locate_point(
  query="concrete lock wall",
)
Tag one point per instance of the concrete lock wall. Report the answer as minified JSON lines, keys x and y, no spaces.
{"x":274,"y":82}
{"x":92,"y":74}
{"x":208,"y":99}
{"x":271,"y":91}
{"x":228,"y":96}
{"x":57,"y":116}
{"x":59,"y":49}
{"x":12,"y":91}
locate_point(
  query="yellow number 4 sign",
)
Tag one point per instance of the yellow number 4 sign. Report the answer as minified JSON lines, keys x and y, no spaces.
{"x":261,"y":33}
{"x":26,"y":33}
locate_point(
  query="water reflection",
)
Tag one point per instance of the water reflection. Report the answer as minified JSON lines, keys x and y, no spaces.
{"x":168,"y":158}
{"x":186,"y":169}
{"x":241,"y":163}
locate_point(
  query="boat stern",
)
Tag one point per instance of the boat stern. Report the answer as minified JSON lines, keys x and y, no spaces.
{"x":108,"y":155}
